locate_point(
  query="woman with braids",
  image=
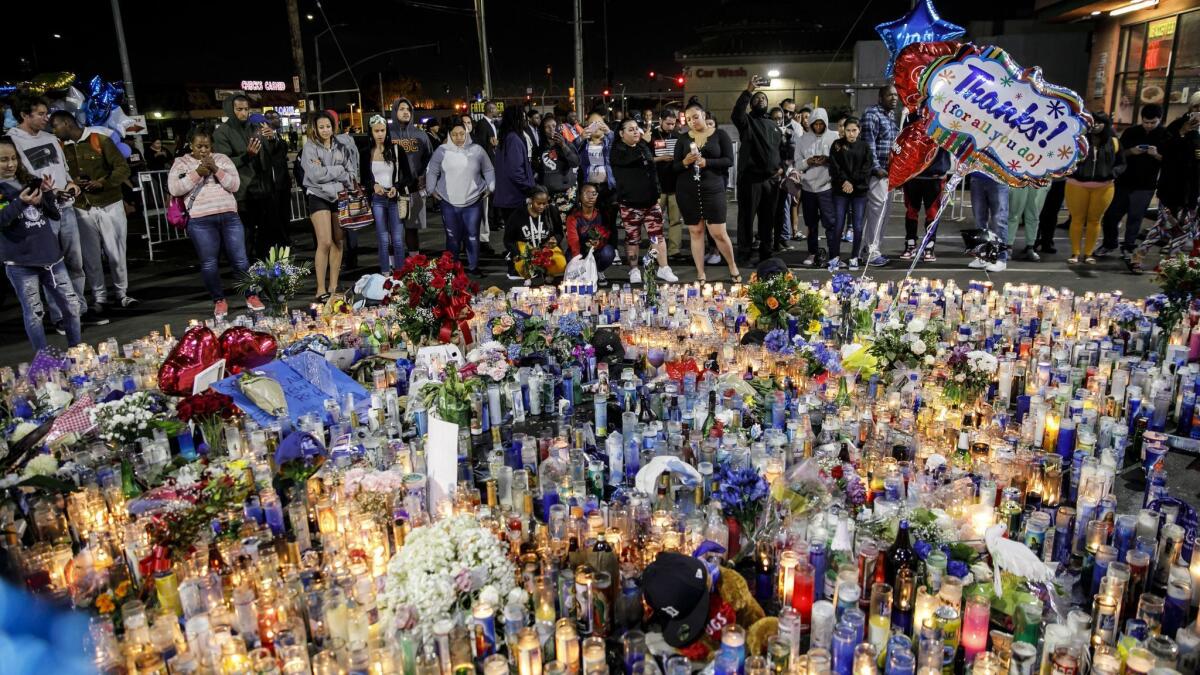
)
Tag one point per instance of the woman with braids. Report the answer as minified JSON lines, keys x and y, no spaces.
{"x":702,"y":159}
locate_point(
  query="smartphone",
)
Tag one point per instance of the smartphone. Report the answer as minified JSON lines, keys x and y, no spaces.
{"x":1143,"y":147}
{"x":762,"y":81}
{"x":33,"y":183}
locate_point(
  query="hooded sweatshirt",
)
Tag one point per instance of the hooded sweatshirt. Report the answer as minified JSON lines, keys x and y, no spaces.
{"x":636,"y":174}
{"x":26,"y":237}
{"x":460,"y":176}
{"x":760,"y":137}
{"x":42,"y":155}
{"x":850,"y":162}
{"x":95,"y":155}
{"x":555,"y":164}
{"x":412,"y":139}
{"x":328,"y":171}
{"x":514,"y":175}
{"x":230,"y":139}
{"x":815,"y":178}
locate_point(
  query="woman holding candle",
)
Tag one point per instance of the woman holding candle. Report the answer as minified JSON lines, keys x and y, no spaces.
{"x":702,"y":160}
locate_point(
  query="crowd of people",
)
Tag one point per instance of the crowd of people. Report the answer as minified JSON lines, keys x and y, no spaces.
{"x":553,"y":185}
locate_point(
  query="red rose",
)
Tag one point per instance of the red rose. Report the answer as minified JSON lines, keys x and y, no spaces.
{"x":836,"y":472}
{"x":438,"y":282}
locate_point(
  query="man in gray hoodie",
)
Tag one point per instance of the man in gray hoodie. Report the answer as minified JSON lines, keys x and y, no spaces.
{"x":414,"y":142}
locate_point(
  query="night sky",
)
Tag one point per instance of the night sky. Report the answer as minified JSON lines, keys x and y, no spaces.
{"x":219,"y":42}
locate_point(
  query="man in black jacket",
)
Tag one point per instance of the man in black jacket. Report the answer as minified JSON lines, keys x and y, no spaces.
{"x":270,"y":177}
{"x":486,"y":135}
{"x":1142,"y":144}
{"x":759,"y":165}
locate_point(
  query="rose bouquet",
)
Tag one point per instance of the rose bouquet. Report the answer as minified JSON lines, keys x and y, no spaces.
{"x":431,"y":298}
{"x":971,"y":372}
{"x":372,"y":491}
{"x":276,"y":279}
{"x":490,"y":361}
{"x":445,"y":568}
{"x":782,"y":296}
{"x":208,"y":410}
{"x":536,"y":262}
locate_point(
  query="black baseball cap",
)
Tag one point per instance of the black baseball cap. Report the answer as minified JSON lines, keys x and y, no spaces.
{"x":676,"y":588}
{"x":769,"y":268}
{"x":609,"y":349}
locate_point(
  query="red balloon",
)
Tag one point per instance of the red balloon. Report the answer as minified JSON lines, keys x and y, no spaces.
{"x":911,"y":153}
{"x":195,"y":351}
{"x":911,"y":63}
{"x":244,"y":348}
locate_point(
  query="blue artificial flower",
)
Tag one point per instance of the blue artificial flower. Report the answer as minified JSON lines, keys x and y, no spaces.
{"x":514,"y":352}
{"x":922,"y":549}
{"x":957,"y":568}
{"x":570,"y":325}
{"x":777,"y":342}
{"x":843,"y":285}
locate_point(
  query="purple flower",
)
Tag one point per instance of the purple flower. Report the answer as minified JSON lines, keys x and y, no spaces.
{"x":462,"y":581}
{"x":777,"y":342}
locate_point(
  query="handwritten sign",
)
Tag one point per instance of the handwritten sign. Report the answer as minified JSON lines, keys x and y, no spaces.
{"x":1016,"y":127}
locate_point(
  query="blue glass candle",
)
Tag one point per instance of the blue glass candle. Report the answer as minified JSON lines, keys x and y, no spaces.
{"x":1175,"y":608}
{"x":1066,"y":438}
{"x":901,"y":662}
{"x":600,"y":407}
{"x":843,"y":644}
{"x":253,"y":510}
{"x":856,"y":619}
{"x":1022,"y":407}
{"x":1105,"y":555}
{"x":726,"y":664}
{"x":816,"y":557}
{"x":1124,"y":531}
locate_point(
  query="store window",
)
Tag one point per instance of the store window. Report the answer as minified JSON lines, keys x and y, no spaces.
{"x":1159,"y":63}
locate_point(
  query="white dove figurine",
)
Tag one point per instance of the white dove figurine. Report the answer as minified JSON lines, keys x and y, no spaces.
{"x":647,"y":476}
{"x":1014,"y":557}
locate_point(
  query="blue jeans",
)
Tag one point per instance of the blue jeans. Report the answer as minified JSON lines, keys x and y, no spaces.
{"x":989,"y":201}
{"x":819,"y":210}
{"x":29,"y":281}
{"x":856,"y":206}
{"x":209,"y":235}
{"x":67,"y":230}
{"x":462,"y":222}
{"x":390,"y":230}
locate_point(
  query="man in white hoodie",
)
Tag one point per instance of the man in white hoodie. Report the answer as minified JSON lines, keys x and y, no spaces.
{"x":816,"y":193}
{"x":43,"y":156}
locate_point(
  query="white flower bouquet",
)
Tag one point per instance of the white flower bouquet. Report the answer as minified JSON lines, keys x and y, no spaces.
{"x":445,"y":568}
{"x":127,"y":419}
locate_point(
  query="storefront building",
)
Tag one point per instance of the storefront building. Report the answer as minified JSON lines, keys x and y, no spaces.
{"x":1142,"y":52}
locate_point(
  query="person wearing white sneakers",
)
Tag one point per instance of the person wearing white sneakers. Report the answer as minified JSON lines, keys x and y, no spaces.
{"x":632,"y":161}
{"x":989,"y":201}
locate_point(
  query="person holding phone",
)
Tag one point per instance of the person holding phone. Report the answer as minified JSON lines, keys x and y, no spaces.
{"x":703,"y":157}
{"x":760,"y":164}
{"x":241,"y":140}
{"x":33,"y":258}
{"x":555,"y":162}
{"x":1134,"y":187}
{"x":208,"y":184}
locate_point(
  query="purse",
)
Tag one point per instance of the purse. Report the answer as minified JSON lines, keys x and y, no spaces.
{"x":354,"y":209}
{"x":179,"y":212}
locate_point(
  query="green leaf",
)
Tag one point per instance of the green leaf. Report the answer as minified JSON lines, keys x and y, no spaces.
{"x":48,"y":483}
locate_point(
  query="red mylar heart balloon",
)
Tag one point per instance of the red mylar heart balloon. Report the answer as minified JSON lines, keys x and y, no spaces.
{"x":244,"y":348}
{"x":911,"y":153}
{"x":911,"y":63}
{"x":194,"y":352}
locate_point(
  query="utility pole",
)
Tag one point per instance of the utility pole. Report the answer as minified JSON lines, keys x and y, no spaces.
{"x":293,"y":12}
{"x":126,"y":72}
{"x":579,"y":59}
{"x":481,"y":27}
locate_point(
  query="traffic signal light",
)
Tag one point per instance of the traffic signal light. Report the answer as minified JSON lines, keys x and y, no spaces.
{"x":679,"y":80}
{"x":606,"y":93}
{"x":652,"y":74}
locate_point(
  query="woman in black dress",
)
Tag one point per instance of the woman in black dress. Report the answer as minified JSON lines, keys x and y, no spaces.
{"x":703,"y":158}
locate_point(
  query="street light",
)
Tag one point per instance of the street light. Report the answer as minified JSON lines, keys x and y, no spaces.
{"x":317,"y":59}
{"x":309,"y":17}
{"x":774,"y":72}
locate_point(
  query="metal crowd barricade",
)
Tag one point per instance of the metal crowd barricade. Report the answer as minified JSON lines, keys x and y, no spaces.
{"x":152,"y":187}
{"x":299,"y":209}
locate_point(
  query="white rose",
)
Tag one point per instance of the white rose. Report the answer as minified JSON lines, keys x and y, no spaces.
{"x":917,"y":347}
{"x":893,"y":322}
{"x":490,"y":595}
{"x":929,"y":359}
{"x":916,"y":325}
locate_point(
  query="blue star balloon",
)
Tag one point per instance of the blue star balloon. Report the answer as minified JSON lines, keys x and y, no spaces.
{"x":921,"y":24}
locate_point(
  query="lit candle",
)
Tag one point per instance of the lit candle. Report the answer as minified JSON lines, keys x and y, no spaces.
{"x":926,"y":603}
{"x":1195,"y":572}
{"x":975,"y":626}
{"x":566,"y":644}
{"x":786,"y":578}
{"x":733,"y":641}
{"x":593,"y":654}
{"x":529,"y":653}
{"x":880,"y":621}
{"x":1050,"y":433}
{"x":864,"y":659}
{"x":802,"y":597}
